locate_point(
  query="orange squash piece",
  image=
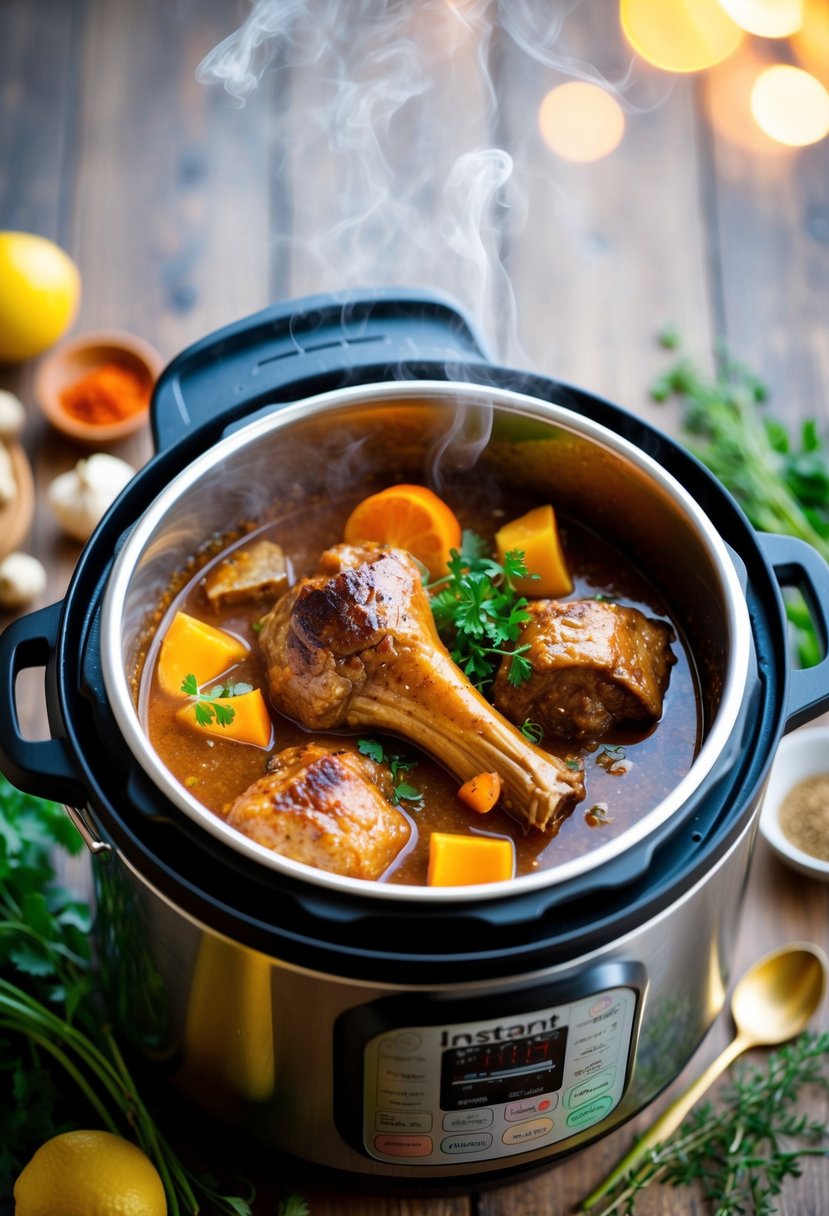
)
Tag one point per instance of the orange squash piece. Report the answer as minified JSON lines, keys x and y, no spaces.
{"x":458,"y":861}
{"x":481,"y":792}
{"x":251,"y":720}
{"x":411,"y":518}
{"x":190,"y":646}
{"x":536,"y":536}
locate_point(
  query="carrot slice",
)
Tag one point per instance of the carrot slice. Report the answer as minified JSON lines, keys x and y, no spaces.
{"x":251,"y":721}
{"x":458,"y":861}
{"x":536,"y":536}
{"x":190,"y":645}
{"x":407,"y":517}
{"x":481,"y":792}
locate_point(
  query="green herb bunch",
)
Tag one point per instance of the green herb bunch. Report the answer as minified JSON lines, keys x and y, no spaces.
{"x":742,"y":1151}
{"x":781,"y":480}
{"x":399,"y":765}
{"x":479,"y":613}
{"x":53,"y":1027}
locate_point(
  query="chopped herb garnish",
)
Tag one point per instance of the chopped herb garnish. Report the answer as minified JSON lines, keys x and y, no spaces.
{"x":207,"y":704}
{"x":532,"y":731}
{"x":597,"y":815}
{"x":479,"y":613}
{"x":398,"y":764}
{"x":613,"y":759}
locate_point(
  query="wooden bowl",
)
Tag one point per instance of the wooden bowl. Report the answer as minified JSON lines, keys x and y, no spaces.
{"x":73,"y":359}
{"x":16,"y":516}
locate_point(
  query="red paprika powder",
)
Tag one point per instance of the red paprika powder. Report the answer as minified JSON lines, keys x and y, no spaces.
{"x":106,"y":394}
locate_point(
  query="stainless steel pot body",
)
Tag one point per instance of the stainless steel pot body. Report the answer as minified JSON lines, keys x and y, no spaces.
{"x":346,"y":1073}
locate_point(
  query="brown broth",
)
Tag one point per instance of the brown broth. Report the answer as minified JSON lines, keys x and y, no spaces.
{"x":624,"y":785}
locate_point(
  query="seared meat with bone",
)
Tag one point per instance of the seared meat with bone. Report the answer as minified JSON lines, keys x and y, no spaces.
{"x":356,"y":647}
{"x":324,"y":806}
{"x":596,"y":665}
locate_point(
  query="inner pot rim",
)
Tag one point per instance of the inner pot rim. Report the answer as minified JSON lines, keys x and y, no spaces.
{"x":737,"y":642}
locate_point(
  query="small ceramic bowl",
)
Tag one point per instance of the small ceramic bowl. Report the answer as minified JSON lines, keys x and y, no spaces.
{"x":802,"y":754}
{"x":70,"y":361}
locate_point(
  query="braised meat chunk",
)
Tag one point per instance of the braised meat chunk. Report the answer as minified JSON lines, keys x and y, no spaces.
{"x":596,"y":665}
{"x":250,"y":573}
{"x":356,"y":646}
{"x":325,"y":807}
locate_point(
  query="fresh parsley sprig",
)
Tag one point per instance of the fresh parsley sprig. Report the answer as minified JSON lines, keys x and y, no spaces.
{"x":742,"y":1151}
{"x":207,"y":704}
{"x":479,"y":613}
{"x":402,"y":791}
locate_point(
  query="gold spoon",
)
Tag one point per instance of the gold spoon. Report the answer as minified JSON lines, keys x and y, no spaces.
{"x":772,"y":1003}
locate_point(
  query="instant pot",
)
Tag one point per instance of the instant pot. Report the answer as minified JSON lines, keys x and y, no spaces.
{"x":406,"y":1034}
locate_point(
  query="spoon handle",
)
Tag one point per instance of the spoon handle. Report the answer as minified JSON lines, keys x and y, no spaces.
{"x":670,"y":1119}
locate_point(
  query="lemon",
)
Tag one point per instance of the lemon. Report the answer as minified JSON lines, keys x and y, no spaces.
{"x":40,"y":288}
{"x":89,"y":1174}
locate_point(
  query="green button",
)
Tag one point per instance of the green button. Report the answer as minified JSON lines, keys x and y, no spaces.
{"x":590,"y":1112}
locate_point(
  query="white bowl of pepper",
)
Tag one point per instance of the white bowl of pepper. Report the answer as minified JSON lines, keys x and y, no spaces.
{"x":795,"y":815}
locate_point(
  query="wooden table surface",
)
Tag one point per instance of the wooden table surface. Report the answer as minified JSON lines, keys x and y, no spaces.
{"x":185,"y":210}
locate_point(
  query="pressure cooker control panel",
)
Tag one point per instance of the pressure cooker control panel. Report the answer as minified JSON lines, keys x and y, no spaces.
{"x":493,"y":1087}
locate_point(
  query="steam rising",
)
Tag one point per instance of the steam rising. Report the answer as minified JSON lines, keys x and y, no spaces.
{"x":400,"y":105}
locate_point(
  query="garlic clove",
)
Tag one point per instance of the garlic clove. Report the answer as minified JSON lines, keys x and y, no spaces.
{"x":81,"y":497}
{"x":8,"y":481}
{"x":22,"y":579}
{"x":12,"y":415}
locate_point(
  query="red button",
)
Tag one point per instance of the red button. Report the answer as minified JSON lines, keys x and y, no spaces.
{"x":403,"y":1146}
{"x":544,"y":1104}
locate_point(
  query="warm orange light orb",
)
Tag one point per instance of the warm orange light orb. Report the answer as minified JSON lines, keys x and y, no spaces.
{"x":767,"y":18}
{"x":679,"y":35}
{"x":790,"y":105}
{"x":580,"y":121}
{"x":811,"y":42}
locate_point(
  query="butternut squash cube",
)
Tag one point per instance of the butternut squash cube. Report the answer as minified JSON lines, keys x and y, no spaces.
{"x":192,"y":646}
{"x":458,"y":861}
{"x":536,"y":536}
{"x":251,"y":722}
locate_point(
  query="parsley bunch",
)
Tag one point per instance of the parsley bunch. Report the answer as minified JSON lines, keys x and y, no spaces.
{"x":479,"y":613}
{"x":52,"y":1022}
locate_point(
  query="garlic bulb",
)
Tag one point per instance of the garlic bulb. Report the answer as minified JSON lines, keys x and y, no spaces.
{"x":80,"y":497}
{"x":8,"y":481}
{"x":12,"y":415}
{"x":22,"y":578}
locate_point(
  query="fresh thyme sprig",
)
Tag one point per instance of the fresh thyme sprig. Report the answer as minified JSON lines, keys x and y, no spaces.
{"x":479,"y":613}
{"x":207,"y":704}
{"x":742,"y":1151}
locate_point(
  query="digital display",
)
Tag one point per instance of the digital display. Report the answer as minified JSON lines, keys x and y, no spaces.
{"x":502,"y":1071}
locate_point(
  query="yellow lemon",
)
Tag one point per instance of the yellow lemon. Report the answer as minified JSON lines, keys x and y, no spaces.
{"x":40,"y":288}
{"x":89,"y":1174}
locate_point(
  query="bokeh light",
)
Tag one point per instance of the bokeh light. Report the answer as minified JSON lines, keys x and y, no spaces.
{"x":767,"y":18}
{"x":679,"y":35}
{"x":811,"y":42}
{"x":727,"y":98}
{"x":790,"y":105}
{"x":580,"y":121}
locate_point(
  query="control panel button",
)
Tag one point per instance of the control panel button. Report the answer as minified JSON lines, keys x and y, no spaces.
{"x":409,"y":1121}
{"x":523,"y":1133}
{"x":594,"y":1087}
{"x":403,"y":1146}
{"x":466,"y":1144}
{"x":467,"y":1120}
{"x":516,"y":1112}
{"x":590,"y":1112}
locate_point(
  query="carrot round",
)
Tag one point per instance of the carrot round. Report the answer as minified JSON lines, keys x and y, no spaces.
{"x":481,"y":792}
{"x":408,"y":517}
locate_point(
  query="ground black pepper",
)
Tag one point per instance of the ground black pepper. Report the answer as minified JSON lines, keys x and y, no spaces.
{"x":804,"y":816}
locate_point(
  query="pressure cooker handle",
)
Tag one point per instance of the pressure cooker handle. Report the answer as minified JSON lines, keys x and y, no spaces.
{"x":41,"y":767}
{"x":798,"y":564}
{"x":305,"y":346}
